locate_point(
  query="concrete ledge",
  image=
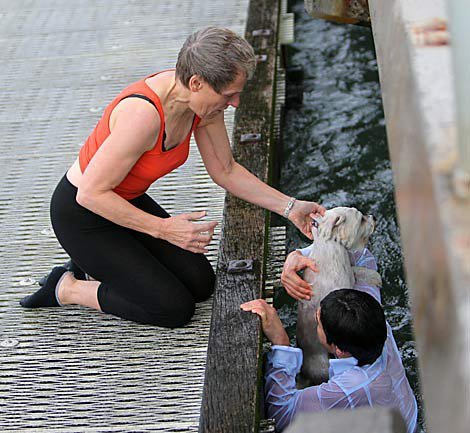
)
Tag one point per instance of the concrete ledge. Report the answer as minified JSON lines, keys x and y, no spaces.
{"x":360,"y":420}
{"x":418,"y":95}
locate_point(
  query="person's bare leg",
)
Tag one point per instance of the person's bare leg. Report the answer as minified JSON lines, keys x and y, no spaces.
{"x":78,"y":292}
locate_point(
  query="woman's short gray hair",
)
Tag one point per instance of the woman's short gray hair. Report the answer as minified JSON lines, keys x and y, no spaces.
{"x":217,"y":55}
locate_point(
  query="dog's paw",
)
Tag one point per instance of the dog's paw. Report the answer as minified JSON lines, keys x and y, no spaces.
{"x":367,"y":276}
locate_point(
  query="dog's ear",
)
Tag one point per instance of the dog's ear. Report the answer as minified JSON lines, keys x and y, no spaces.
{"x":327,"y":226}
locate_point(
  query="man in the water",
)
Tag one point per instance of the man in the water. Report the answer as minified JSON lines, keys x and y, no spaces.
{"x":366,"y":369}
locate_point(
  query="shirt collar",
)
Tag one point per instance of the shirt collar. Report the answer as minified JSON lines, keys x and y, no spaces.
{"x":338,"y":366}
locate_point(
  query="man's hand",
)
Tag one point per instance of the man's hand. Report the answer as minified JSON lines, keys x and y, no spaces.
{"x":294,"y":285}
{"x":272,"y":325}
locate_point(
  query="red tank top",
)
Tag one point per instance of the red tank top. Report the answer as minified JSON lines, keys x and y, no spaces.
{"x":154,"y":163}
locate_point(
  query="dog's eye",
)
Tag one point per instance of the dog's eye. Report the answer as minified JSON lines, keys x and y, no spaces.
{"x":315,"y":223}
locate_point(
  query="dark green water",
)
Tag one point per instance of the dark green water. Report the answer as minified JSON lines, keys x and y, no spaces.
{"x":335,"y":152}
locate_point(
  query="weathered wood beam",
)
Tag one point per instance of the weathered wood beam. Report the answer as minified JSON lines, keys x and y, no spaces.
{"x":230,"y":401}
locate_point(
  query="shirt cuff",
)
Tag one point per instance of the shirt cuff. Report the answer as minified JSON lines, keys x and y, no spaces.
{"x":305,"y":251}
{"x":286,"y":357}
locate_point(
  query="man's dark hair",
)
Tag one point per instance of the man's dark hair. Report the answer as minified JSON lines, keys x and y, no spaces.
{"x":355,"y":322}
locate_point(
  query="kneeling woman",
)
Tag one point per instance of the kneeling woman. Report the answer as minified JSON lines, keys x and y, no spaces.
{"x":148,"y":266}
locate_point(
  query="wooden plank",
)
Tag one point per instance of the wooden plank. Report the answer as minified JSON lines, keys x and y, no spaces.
{"x":231,"y":390}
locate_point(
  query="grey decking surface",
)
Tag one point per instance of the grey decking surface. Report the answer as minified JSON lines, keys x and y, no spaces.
{"x":75,"y":370}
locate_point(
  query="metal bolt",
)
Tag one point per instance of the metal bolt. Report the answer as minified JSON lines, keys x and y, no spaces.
{"x":250,"y":137}
{"x":261,"y":32}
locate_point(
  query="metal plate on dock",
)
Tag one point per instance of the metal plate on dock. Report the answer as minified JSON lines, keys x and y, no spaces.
{"x":237,"y":266}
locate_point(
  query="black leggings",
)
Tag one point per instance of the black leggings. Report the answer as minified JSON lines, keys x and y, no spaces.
{"x":143,"y":279}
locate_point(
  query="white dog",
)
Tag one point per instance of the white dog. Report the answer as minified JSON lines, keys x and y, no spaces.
{"x":342,"y":229}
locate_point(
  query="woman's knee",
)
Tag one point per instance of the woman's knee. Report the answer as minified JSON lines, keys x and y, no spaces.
{"x":172,"y":309}
{"x":200,"y":279}
{"x":171,"y":314}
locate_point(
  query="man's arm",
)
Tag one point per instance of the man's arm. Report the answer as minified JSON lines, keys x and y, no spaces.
{"x":283,"y":399}
{"x":367,"y":278}
{"x":363,"y":258}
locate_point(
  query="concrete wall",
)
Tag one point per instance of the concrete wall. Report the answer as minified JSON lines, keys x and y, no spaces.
{"x":418,"y":96}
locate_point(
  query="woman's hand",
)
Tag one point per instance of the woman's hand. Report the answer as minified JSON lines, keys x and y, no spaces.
{"x":302,"y":213}
{"x":294,"y":285}
{"x":272,"y":325}
{"x":181,"y":231}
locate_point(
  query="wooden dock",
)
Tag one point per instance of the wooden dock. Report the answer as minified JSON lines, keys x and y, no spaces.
{"x":73,"y":369}
{"x":232,"y":385}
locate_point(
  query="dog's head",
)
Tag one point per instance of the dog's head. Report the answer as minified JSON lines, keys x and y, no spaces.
{"x":345,"y":225}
